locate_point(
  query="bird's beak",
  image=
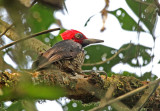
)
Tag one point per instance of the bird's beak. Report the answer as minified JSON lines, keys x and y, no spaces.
{"x":91,"y":41}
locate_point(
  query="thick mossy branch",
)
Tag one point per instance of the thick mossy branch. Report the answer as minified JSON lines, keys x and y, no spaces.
{"x":87,"y":88}
{"x":33,"y":44}
{"x":124,"y":85}
{"x":8,"y":79}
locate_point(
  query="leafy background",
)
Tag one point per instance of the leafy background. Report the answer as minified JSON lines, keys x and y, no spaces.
{"x":42,"y":16}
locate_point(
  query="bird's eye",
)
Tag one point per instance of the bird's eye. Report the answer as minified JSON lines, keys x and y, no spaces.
{"x":78,"y":36}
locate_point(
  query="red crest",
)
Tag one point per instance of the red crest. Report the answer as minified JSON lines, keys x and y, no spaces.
{"x":70,"y":35}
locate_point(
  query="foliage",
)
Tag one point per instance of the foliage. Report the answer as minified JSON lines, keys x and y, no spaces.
{"x":124,"y":18}
{"x":146,"y":11}
{"x":77,"y":105}
{"x":126,"y":56}
{"x":37,"y":19}
{"x":40,"y":17}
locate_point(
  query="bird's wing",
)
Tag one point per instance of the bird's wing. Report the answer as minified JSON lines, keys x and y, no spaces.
{"x":65,"y":49}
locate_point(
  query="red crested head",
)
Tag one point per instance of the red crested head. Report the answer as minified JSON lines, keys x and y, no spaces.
{"x":73,"y":35}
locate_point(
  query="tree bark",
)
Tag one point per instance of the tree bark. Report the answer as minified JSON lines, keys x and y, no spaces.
{"x":87,"y":88}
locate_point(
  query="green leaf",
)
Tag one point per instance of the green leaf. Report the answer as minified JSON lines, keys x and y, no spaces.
{"x":78,"y":106}
{"x":99,"y":53}
{"x":126,"y":21}
{"x":88,"y":20}
{"x":21,"y":105}
{"x":3,"y":107}
{"x":148,"y":76}
{"x":57,"y":38}
{"x":40,"y":18}
{"x":75,"y":105}
{"x":134,"y":52}
{"x":15,"y":106}
{"x":125,"y":73}
{"x":146,"y":11}
{"x":29,"y":105}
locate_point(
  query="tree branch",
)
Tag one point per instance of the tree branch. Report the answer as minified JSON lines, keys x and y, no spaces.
{"x":29,"y":37}
{"x":126,"y":95}
{"x":4,"y":65}
{"x":31,"y":44}
{"x":90,"y":88}
{"x":6,"y":30}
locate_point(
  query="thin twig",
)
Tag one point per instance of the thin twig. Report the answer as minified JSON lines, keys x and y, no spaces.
{"x":102,"y":62}
{"x":31,"y":36}
{"x":6,"y":30}
{"x":108,"y":96}
{"x":119,"y":106}
{"x":125,"y":95}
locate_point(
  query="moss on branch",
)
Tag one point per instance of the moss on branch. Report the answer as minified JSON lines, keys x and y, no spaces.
{"x":87,"y":88}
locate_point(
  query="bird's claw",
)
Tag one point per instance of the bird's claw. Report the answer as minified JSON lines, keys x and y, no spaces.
{"x":95,"y":72}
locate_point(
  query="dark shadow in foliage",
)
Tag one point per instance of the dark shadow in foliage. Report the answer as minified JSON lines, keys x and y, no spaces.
{"x":55,"y":4}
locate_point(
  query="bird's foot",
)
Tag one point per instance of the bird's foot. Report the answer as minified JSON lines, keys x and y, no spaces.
{"x":73,"y":73}
{"x":95,"y":72}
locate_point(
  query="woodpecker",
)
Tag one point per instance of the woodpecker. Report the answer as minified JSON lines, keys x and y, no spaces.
{"x":68,"y":54}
